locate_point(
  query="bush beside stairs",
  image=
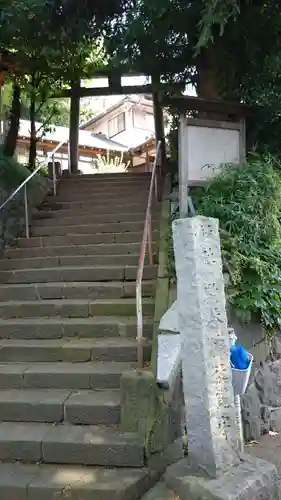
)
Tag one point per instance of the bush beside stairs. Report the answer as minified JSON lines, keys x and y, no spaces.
{"x":67,"y":333}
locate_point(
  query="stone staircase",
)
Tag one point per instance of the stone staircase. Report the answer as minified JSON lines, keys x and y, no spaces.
{"x":67,"y":333}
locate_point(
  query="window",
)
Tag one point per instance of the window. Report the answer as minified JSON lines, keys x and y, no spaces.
{"x":116,"y":125}
{"x":143,"y":120}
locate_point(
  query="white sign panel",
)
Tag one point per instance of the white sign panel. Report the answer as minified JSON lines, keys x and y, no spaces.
{"x":208,"y":148}
{"x":204,"y":145}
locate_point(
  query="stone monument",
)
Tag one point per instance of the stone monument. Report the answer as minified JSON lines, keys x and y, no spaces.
{"x":214,"y":468}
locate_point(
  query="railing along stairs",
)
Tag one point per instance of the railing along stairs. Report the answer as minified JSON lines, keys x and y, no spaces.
{"x":146,"y":244}
{"x":24,"y":184}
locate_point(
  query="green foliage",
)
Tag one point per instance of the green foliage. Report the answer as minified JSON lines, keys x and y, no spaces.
{"x":12,"y":173}
{"x":215,"y":13}
{"x":51,"y":38}
{"x":225,"y":48}
{"x":247,"y":202}
{"x":175,"y":51}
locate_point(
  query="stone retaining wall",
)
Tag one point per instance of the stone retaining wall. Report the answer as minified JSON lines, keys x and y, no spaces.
{"x":261,"y":405}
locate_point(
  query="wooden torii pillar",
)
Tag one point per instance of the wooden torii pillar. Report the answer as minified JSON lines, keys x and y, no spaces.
{"x":74,"y":128}
{"x":75,"y":94}
{"x":159,"y":121}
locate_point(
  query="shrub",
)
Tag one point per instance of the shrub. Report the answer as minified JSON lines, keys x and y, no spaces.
{"x":12,"y":173}
{"x":12,"y":215}
{"x":247,"y":202}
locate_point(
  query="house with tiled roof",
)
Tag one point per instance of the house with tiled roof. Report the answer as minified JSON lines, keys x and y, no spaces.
{"x":129,"y":121}
{"x":90,"y":145}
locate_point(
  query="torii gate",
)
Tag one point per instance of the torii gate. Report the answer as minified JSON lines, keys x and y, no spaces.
{"x":114,"y":88}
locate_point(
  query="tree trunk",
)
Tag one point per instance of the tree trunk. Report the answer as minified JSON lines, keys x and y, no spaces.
{"x":216,"y":81}
{"x":10,"y":142}
{"x":207,"y":87}
{"x":208,"y":80}
{"x":33,"y":138}
{"x":73,"y":167}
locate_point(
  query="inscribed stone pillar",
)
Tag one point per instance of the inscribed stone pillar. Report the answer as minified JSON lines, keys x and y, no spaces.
{"x":211,"y":428}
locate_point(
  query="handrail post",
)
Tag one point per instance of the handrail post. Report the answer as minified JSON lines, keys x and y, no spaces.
{"x":139,"y":326}
{"x":149,"y":240}
{"x":156,"y":188}
{"x":54,"y":176}
{"x":26,"y":212}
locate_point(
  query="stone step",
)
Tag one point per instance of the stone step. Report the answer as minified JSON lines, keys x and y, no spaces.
{"x":105,"y":176}
{"x":76,"y":274}
{"x":71,"y":350}
{"x":104,"y":196}
{"x":84,"y":239}
{"x":77,"y":308}
{"x":85,"y":290}
{"x":100,"y":206}
{"x":98,"y":189}
{"x":69,"y":444}
{"x":101,"y":180}
{"x":56,"y":328}
{"x":99,"y":249}
{"x":99,"y":210}
{"x":97,"y":177}
{"x":108,"y":199}
{"x":70,"y":261}
{"x":110,"y":227}
{"x":88,"y":375}
{"x":84,"y":217}
{"x":112,"y":190}
{"x":60,"y":405}
{"x":51,"y":482}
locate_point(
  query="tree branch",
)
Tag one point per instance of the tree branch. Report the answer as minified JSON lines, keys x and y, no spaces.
{"x":40,"y":106}
{"x":46,"y":122}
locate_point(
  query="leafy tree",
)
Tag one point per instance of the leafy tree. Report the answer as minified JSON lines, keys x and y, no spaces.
{"x":227,"y":49}
{"x":14,"y":119}
{"x":52,"y":43}
{"x":215,"y":44}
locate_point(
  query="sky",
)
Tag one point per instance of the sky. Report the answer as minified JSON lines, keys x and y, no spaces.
{"x":128,"y":80}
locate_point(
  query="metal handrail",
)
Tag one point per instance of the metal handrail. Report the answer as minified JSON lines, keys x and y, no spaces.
{"x":25,"y":182}
{"x":146,"y":241}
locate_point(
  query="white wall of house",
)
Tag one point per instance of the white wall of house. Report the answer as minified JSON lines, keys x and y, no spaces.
{"x":85,"y":163}
{"x":143,"y":119}
{"x":130,"y":124}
